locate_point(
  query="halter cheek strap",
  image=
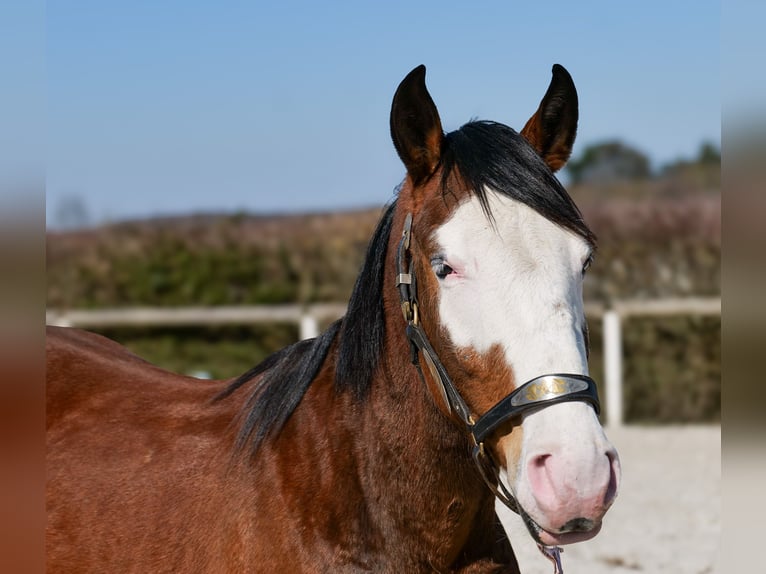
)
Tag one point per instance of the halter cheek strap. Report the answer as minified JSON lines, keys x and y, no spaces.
{"x":540,"y":392}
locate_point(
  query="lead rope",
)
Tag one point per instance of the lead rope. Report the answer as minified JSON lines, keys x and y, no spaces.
{"x":553,"y":553}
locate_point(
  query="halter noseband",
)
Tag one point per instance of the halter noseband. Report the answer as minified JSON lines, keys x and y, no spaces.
{"x":540,"y":392}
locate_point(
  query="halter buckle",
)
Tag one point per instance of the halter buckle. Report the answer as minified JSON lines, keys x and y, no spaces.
{"x":407,"y":311}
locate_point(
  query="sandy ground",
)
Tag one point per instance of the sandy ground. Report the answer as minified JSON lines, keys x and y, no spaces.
{"x":667,"y":517}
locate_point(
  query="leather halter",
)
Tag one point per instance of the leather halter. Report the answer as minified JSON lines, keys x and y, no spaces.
{"x":540,"y":392}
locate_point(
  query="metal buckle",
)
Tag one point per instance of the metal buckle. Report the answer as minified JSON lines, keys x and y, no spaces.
{"x":406,"y":230}
{"x":407,"y":311}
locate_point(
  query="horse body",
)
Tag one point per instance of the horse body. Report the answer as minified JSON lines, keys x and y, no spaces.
{"x":155,"y":489}
{"x":341,"y":453}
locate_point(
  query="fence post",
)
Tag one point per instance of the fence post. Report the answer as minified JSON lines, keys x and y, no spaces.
{"x":309,"y":327}
{"x":613,"y":367}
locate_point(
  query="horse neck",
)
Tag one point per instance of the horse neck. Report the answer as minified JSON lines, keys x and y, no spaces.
{"x":401,"y":403}
{"x":402,"y":391}
{"x":421,"y":463}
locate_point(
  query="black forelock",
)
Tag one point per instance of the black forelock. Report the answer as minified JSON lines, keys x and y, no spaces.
{"x":484,"y":154}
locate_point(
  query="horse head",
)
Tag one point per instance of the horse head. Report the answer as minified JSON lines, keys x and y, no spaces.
{"x":490,"y":270}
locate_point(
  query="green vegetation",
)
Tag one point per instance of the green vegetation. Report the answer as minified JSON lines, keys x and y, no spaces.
{"x":219,"y":353}
{"x":672,"y":368}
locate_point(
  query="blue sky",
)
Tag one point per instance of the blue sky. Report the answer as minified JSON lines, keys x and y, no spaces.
{"x":170,"y":107}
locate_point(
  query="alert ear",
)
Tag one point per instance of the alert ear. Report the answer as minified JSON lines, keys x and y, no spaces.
{"x":415,"y":126}
{"x":553,"y":127}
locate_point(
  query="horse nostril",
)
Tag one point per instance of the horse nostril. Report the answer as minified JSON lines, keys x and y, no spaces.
{"x":540,"y":460}
{"x":614,"y":477}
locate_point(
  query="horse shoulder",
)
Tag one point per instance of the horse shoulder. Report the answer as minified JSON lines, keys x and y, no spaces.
{"x":133,"y":453}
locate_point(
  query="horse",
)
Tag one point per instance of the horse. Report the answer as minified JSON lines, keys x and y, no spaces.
{"x":456,"y":384}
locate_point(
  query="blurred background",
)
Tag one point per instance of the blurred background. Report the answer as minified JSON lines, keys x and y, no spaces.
{"x":202,"y":155}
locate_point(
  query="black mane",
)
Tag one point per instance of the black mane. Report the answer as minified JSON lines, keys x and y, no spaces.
{"x":483,"y":155}
{"x":287,"y":374}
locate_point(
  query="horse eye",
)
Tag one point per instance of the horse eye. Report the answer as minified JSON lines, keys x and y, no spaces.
{"x":441,"y":269}
{"x":587,"y":264}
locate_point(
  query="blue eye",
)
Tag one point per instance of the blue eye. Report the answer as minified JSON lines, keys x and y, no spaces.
{"x":441,"y":269}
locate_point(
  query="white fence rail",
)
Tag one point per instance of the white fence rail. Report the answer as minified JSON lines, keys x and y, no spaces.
{"x":308,"y":317}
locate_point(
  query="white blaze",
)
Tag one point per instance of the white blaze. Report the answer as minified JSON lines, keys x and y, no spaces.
{"x":517,"y":283}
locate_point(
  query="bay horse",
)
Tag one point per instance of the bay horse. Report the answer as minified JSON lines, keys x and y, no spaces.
{"x":457,"y":380}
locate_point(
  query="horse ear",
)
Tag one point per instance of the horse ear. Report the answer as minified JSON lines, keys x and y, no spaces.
{"x":415,"y":126}
{"x":553,"y":127}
